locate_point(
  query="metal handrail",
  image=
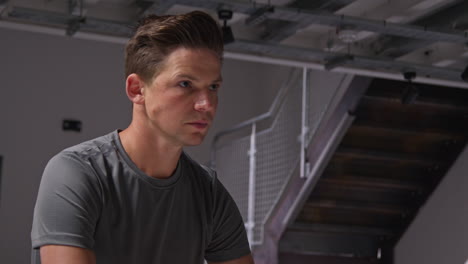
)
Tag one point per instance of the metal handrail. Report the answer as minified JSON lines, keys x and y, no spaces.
{"x":274,"y":108}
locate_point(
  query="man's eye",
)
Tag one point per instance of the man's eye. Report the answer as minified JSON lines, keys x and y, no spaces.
{"x":214,"y":87}
{"x":184,"y":84}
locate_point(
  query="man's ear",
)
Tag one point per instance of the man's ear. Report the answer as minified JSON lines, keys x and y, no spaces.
{"x":134,"y":88}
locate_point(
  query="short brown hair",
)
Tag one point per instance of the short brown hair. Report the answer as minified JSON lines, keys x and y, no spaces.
{"x":157,"y":36}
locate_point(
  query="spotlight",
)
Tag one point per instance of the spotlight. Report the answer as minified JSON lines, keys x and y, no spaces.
{"x":464,"y":74}
{"x":226,"y":15}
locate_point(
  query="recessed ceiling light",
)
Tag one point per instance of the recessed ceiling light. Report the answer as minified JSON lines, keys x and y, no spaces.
{"x":347,"y":35}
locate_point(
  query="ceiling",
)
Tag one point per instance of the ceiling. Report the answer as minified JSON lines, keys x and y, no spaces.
{"x":427,"y":37}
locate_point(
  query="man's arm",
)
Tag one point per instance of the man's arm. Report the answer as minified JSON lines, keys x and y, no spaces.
{"x":66,"y":212}
{"x":57,"y":254}
{"x":242,"y":260}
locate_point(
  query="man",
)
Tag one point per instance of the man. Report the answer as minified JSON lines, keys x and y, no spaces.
{"x":134,"y":196}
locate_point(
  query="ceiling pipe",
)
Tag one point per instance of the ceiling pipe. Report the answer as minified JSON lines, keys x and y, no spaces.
{"x":242,"y":57}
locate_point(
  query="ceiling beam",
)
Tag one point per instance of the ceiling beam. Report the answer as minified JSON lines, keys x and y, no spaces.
{"x":330,"y":6}
{"x":397,"y":46}
{"x":358,"y":65}
{"x":307,"y":54}
{"x":283,"y":33}
{"x":313,"y":17}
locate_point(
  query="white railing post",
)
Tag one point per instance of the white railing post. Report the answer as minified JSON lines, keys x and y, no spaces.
{"x":304,"y":128}
{"x":252,"y":167}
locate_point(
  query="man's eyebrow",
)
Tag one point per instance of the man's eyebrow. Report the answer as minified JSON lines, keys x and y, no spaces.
{"x":193,"y":78}
{"x":186,"y":76}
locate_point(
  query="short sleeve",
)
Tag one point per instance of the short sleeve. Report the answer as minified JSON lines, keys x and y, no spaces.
{"x":229,"y":238}
{"x":68,"y":204}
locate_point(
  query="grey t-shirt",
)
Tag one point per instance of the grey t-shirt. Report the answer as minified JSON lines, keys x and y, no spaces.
{"x":93,"y":196}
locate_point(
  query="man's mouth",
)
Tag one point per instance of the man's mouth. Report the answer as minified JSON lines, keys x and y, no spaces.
{"x":199,"y":124}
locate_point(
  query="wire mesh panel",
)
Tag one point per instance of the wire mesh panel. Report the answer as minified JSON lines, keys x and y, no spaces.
{"x":277,"y":154}
{"x":278,"y":149}
{"x":232,"y":166}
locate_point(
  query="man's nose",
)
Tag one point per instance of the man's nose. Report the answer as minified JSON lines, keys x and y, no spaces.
{"x":205,"y":103}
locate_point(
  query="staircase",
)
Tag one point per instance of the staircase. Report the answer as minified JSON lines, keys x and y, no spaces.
{"x":386,"y":166}
{"x":374,"y":156}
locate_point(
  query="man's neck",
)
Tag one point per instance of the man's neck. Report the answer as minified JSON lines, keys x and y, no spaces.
{"x":151,"y":154}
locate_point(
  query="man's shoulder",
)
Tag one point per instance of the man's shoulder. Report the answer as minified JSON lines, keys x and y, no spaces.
{"x":90,"y":148}
{"x":80,"y":156}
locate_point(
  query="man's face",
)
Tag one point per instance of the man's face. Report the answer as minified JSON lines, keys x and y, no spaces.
{"x":181,"y":100}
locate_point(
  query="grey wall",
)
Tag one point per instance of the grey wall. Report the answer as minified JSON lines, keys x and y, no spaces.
{"x":439,"y":234}
{"x":45,"y":78}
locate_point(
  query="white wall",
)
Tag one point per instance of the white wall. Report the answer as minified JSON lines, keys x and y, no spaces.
{"x":439,"y":233}
{"x":44,"y":79}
